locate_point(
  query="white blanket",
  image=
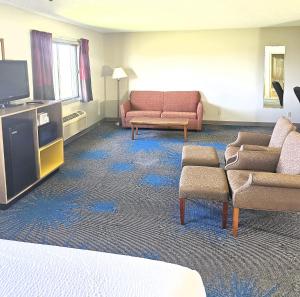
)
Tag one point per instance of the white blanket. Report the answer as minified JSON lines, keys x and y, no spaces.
{"x":28,"y":269}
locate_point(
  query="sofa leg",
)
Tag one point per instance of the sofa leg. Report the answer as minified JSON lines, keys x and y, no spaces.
{"x":132,"y":132}
{"x":182,"y":209}
{"x":225,"y":215}
{"x":137,"y":131}
{"x":235,"y":221}
{"x":185,"y":133}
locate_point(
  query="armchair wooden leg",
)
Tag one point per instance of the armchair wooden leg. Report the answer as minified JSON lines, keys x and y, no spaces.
{"x":182,"y":209}
{"x":235,"y":221}
{"x":225,"y":215}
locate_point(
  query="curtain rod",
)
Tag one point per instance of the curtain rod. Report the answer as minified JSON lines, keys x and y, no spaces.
{"x":65,"y":40}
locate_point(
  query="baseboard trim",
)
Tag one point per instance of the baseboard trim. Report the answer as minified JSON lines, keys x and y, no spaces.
{"x":225,"y":123}
{"x":233,"y":123}
{"x":110,"y":120}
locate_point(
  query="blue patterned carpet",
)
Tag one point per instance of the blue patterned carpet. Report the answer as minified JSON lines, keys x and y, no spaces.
{"x":121,"y":196}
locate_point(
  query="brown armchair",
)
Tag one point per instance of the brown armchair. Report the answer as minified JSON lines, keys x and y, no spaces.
{"x":255,"y":140}
{"x":266,"y":180}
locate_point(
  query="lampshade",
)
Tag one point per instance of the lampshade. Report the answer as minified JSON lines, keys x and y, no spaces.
{"x":119,"y":73}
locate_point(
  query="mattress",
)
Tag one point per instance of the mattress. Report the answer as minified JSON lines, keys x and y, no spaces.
{"x":29,"y":269}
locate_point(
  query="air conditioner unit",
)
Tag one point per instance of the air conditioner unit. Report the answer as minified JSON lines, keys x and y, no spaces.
{"x":74,"y":123}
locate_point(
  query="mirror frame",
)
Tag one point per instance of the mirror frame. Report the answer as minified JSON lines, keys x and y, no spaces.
{"x":2,"y":48}
{"x":267,"y":77}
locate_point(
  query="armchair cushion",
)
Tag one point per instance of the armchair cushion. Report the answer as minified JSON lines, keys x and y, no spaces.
{"x":254,"y":160}
{"x":281,"y":130}
{"x":289,"y":161}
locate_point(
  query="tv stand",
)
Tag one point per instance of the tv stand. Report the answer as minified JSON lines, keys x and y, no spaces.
{"x":8,"y":104}
{"x":35,"y":102}
{"x":47,"y":158}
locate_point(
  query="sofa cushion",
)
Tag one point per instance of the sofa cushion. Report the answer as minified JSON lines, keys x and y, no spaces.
{"x":146,"y":100}
{"x":181,"y":101}
{"x":179,"y":115}
{"x":281,"y":130}
{"x":289,"y":161}
{"x":143,"y":113}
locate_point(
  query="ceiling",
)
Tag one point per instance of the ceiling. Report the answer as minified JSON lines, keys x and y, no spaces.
{"x":167,"y":15}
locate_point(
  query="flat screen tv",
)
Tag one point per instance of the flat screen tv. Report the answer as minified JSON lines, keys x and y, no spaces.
{"x":13,"y":80}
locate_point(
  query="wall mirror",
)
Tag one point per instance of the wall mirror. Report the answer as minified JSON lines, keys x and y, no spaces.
{"x":274,"y":76}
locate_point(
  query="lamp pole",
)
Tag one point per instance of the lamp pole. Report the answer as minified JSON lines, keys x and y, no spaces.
{"x":118,"y":115}
{"x":118,"y":73}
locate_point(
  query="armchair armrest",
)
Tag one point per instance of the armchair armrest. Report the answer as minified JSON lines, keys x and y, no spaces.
{"x":267,"y":179}
{"x":252,"y":147}
{"x":254,"y":160}
{"x":251,"y":138}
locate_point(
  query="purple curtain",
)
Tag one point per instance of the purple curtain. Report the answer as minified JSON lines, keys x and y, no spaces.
{"x":42,"y":65}
{"x":85,"y":71}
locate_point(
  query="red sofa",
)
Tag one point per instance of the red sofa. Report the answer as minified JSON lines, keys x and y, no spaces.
{"x":156,"y":104}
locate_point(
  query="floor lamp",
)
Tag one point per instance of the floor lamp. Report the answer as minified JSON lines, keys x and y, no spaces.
{"x":118,"y":73}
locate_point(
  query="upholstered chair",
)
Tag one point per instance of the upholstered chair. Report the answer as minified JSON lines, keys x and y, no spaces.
{"x":266,"y":180}
{"x":255,"y":141}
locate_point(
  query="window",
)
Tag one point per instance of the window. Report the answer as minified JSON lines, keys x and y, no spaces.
{"x":66,"y":71}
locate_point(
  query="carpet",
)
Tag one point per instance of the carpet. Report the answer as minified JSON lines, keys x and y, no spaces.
{"x":121,"y":196}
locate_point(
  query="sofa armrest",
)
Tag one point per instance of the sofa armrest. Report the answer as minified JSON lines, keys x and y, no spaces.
{"x":124,"y":108}
{"x":200,"y":111}
{"x":267,"y":179}
{"x":254,"y":160}
{"x":251,"y":138}
{"x":199,"y":114}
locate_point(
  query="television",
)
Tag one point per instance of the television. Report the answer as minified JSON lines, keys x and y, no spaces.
{"x":13,"y":80}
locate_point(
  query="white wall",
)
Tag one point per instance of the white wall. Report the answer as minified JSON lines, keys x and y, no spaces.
{"x":225,"y":65}
{"x":15,"y":27}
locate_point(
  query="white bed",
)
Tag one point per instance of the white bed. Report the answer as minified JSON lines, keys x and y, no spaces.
{"x":28,"y":269}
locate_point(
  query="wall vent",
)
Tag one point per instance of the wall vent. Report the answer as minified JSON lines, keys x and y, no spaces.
{"x":74,"y":123}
